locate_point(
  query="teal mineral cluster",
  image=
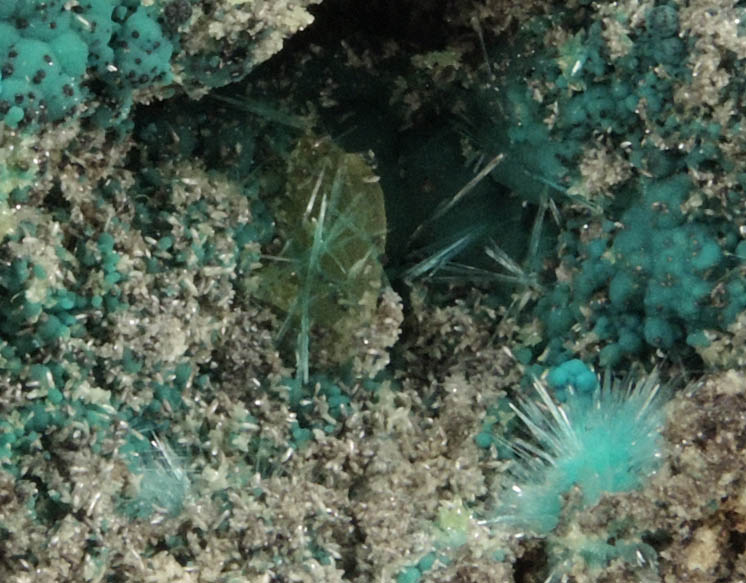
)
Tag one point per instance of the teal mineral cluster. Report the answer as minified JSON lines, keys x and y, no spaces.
{"x":99,"y":57}
{"x":572,"y":375}
{"x":663,"y":271}
{"x":648,"y":261}
{"x":604,"y":440}
{"x":658,"y":271}
{"x":53,"y":53}
{"x":595,"y":92}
